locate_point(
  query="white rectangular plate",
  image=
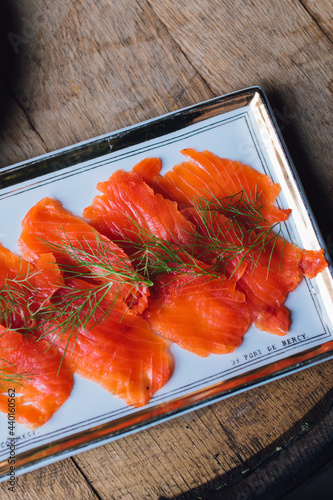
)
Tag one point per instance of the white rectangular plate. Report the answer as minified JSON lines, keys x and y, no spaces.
{"x":238,"y":126}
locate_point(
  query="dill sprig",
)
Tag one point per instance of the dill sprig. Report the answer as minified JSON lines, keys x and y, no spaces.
{"x":75,"y":307}
{"x":9,"y":378}
{"x":242,"y":233}
{"x":109,"y":275}
{"x":89,"y":263}
{"x":96,"y":276}
{"x":238,"y":207}
{"x":17,"y":300}
{"x":153,"y":256}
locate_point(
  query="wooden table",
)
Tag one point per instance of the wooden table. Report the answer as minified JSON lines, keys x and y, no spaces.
{"x":74,"y":69}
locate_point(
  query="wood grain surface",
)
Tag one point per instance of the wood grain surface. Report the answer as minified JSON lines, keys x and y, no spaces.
{"x":72,"y":70}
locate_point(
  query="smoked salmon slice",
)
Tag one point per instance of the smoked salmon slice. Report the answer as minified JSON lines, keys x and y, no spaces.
{"x":111,"y":346}
{"x":130,"y":211}
{"x":27,"y":366}
{"x":31,"y":369}
{"x":201,"y":315}
{"x":25,"y":287}
{"x":81,"y":251}
{"x":266,"y":272}
{"x":292,"y":262}
{"x":206,"y":176}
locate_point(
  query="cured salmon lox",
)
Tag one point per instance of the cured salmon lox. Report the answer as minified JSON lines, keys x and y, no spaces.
{"x":266,"y":271}
{"x":189,"y":257}
{"x":80,"y":251}
{"x":128,"y":210}
{"x":292,"y":262}
{"x":264,"y":289}
{"x":108,"y":345}
{"x":30,"y":369}
{"x":199,"y":314}
{"x":27,"y":366}
{"x":25,"y":287}
{"x":207,"y":176}
{"x":233,"y":208}
{"x":104,"y":345}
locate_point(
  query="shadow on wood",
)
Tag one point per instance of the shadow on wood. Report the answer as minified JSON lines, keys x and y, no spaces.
{"x":297,"y":456}
{"x":320,"y":202}
{"x":10,"y":55}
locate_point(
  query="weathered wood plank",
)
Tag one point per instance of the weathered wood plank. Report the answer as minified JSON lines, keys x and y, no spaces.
{"x":99,"y":67}
{"x":18,"y":140}
{"x":192,"y":450}
{"x":322,"y":12}
{"x":290,"y":467}
{"x":289,"y":55}
{"x":92,"y":67}
{"x":61,"y":480}
{"x":279,"y":46}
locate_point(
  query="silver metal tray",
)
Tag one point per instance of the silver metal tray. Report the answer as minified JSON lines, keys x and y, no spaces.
{"x":237,"y":126}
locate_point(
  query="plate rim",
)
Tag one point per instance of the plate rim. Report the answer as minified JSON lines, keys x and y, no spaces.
{"x":95,"y":436}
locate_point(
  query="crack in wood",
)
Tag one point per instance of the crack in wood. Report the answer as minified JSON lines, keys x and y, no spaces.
{"x":317,"y":21}
{"x":88,"y":482}
{"x":20,"y":105}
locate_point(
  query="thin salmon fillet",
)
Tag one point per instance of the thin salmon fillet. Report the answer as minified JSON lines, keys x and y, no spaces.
{"x":44,"y":390}
{"x":199,"y":314}
{"x":113,"y":347}
{"x":265,"y":292}
{"x":292,"y":262}
{"x":265,"y":273}
{"x":25,"y":287}
{"x":129,"y":210}
{"x":207,"y":176}
{"x":80,"y":250}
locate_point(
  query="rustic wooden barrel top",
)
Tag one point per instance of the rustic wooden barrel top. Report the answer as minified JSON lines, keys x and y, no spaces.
{"x":72,"y":70}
